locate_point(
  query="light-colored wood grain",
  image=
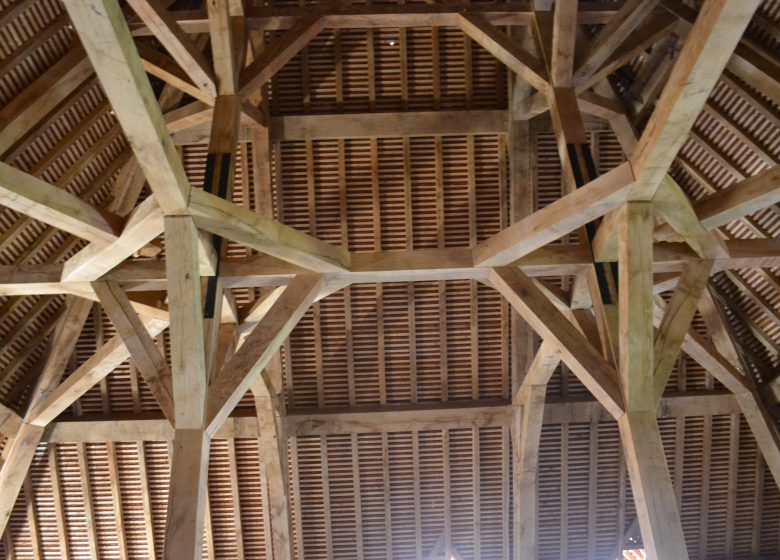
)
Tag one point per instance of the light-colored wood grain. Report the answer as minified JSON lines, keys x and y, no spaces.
{"x":629,"y":17}
{"x":676,"y":322}
{"x":674,"y":206}
{"x":224,"y":218}
{"x":187,"y":494}
{"x":183,"y":50}
{"x":659,"y":517}
{"x":14,"y":471}
{"x":382,"y":267}
{"x":740,"y":199}
{"x":106,"y":38}
{"x":188,"y":364}
{"x":237,"y":376}
{"x":52,"y":205}
{"x":528,"y":417}
{"x":105,"y":360}
{"x":412,"y":123}
{"x":635,"y":303}
{"x":271,"y":60}
{"x":223,"y":46}
{"x":96,"y":259}
{"x":584,"y":360}
{"x":563,"y":42}
{"x":22,"y":116}
{"x":143,"y":351}
{"x":504,"y":49}
{"x":272,"y":442}
{"x":707,"y":49}
{"x":555,"y":220}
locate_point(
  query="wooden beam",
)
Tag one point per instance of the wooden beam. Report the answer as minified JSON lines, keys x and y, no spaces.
{"x":106,"y":38}
{"x":578,"y":354}
{"x":394,"y":418}
{"x":52,"y":205}
{"x":183,"y":50}
{"x":96,"y":259}
{"x":273,"y":58}
{"x":528,"y":417}
{"x":238,"y":374}
{"x":493,"y":40}
{"x":22,"y":448}
{"x":381,"y":267}
{"x":740,"y":199}
{"x":105,"y":360}
{"x":372,"y":16}
{"x":184,"y":294}
{"x":187,"y":494}
{"x":224,"y":45}
{"x":761,"y":423}
{"x":224,"y":218}
{"x":189,"y":466}
{"x":21,"y":117}
{"x":677,"y":321}
{"x":272,"y":443}
{"x":656,"y":505}
{"x":411,"y":123}
{"x":143,"y":351}
{"x":657,"y":510}
{"x":631,"y":14}
{"x":13,"y":471}
{"x":161,"y":66}
{"x":747,"y":62}
{"x":674,"y":206}
{"x":703,"y":352}
{"x":707,"y":49}
{"x":563,"y":216}
{"x":10,"y":421}
{"x":563,"y":42}
{"x":635,"y":302}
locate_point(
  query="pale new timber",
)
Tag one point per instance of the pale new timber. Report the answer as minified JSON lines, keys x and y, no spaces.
{"x":106,"y":38}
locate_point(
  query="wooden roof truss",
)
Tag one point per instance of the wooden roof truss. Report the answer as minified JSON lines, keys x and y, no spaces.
{"x":623,"y":350}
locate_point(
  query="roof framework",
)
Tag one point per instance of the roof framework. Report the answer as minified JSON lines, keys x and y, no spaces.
{"x":303,"y":282}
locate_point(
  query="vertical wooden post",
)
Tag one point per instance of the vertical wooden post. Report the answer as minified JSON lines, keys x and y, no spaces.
{"x":654,"y":497}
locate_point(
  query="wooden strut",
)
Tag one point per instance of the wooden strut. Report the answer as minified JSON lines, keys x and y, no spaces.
{"x":626,"y":374}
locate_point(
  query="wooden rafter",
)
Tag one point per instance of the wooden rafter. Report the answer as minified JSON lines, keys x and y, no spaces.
{"x":106,"y":38}
{"x":189,"y":465}
{"x":703,"y":57}
{"x":292,"y":257}
{"x":566,"y":214}
{"x":594,"y":372}
{"x":22,"y":449}
{"x":391,"y":266}
{"x":656,"y":505}
{"x":238,"y":374}
{"x":271,"y":60}
{"x":183,"y":50}
{"x":51,"y":205}
{"x":143,"y":350}
{"x":612,"y":35}
{"x":676,"y":322}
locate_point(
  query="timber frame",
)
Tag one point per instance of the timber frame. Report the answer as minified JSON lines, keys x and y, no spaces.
{"x":630,"y":235}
